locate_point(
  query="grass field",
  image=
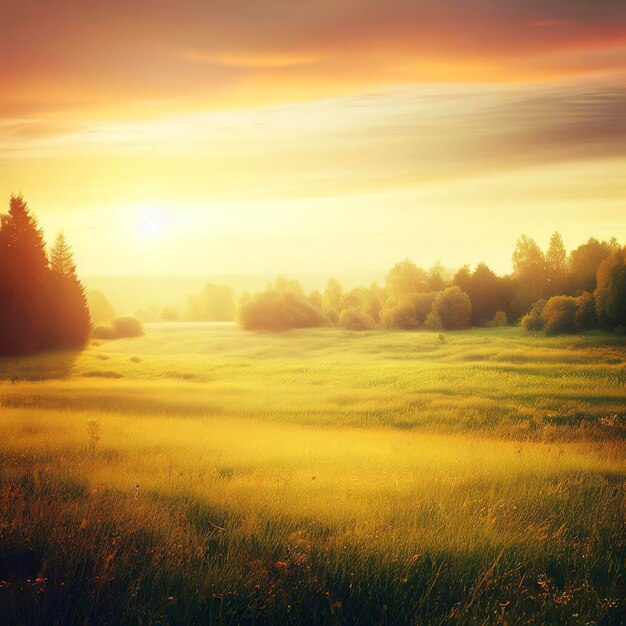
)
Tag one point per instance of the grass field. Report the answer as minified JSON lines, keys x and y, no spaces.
{"x":202,"y":474}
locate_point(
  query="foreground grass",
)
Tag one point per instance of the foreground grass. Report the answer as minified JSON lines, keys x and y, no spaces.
{"x":315,"y":477}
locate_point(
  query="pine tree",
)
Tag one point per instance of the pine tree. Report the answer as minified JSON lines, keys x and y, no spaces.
{"x":24,"y":298}
{"x":40,"y":307}
{"x":70,"y":322}
{"x":61,"y":257}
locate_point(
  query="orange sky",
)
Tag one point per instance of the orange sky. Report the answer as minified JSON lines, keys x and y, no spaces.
{"x":216,"y":137}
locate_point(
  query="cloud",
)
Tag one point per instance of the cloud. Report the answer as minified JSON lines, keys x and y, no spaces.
{"x":102,"y":55}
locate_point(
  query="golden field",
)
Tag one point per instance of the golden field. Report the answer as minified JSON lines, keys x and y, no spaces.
{"x":203,"y":474}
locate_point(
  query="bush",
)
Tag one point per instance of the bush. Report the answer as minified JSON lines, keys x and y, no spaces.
{"x":499,"y":320}
{"x":400,"y":316}
{"x":433,"y":322}
{"x":585,"y":317}
{"x":410,"y":312}
{"x":169,"y":314}
{"x":453,"y":307}
{"x":533,"y":320}
{"x":118,"y":328}
{"x":279,"y":310}
{"x":559,"y":315}
{"x":355,"y":319}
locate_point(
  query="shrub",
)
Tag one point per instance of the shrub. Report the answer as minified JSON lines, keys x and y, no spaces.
{"x":533,"y":320}
{"x":279,"y":310}
{"x":585,"y":317}
{"x":400,"y":316}
{"x":118,"y":328}
{"x":453,"y":307}
{"x":410,"y":312}
{"x":559,"y":315}
{"x":355,"y":319}
{"x":433,"y":322}
{"x":169,"y":314}
{"x":499,"y":320}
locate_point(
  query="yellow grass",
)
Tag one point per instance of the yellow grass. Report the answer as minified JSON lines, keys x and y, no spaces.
{"x":315,"y":476}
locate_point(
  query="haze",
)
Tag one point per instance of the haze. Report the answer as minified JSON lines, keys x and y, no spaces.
{"x":278,"y":137}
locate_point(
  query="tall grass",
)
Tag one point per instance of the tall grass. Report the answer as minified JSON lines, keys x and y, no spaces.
{"x":316,"y":477}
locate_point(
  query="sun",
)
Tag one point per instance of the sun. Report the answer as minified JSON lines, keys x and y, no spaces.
{"x":151,"y":222}
{"x":150,"y":227}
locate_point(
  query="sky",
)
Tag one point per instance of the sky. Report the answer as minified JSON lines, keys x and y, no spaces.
{"x":277,"y":136}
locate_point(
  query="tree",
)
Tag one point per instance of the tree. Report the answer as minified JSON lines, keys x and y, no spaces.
{"x":61,"y":260}
{"x":585,"y":262}
{"x":332,"y":300}
{"x":556,"y":266}
{"x":610,"y":294}
{"x":435,"y":277}
{"x":315,"y":298}
{"x":586,"y":317}
{"x":487,"y":292}
{"x":463,"y":279}
{"x":529,"y":274}
{"x":279,"y":310}
{"x":215,"y":303}
{"x":70,"y":321}
{"x":41,"y":305}
{"x":499,"y":320}
{"x":405,"y":278}
{"x":453,"y":307}
{"x":410,"y":312}
{"x":24,"y":274}
{"x":354,"y":318}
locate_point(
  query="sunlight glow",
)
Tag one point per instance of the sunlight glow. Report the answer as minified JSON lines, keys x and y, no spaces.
{"x":151,"y":222}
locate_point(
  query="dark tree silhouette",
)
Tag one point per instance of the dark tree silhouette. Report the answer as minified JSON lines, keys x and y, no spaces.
{"x":24,"y":286}
{"x":40,"y":307}
{"x":488,"y":292}
{"x":610,"y":294}
{"x":585,"y":261}
{"x":70,"y":322}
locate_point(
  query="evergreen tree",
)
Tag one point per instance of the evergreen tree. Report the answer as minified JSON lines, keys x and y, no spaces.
{"x":70,"y":322}
{"x":61,"y":257}
{"x":41,"y":307}
{"x":24,"y":296}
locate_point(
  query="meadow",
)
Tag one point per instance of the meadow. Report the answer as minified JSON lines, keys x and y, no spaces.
{"x":202,"y":474}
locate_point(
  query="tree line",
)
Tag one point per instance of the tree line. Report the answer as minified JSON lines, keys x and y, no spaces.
{"x":552,"y":291}
{"x":42,"y":301}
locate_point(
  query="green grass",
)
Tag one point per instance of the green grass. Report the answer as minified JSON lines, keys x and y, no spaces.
{"x":315,"y":477}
